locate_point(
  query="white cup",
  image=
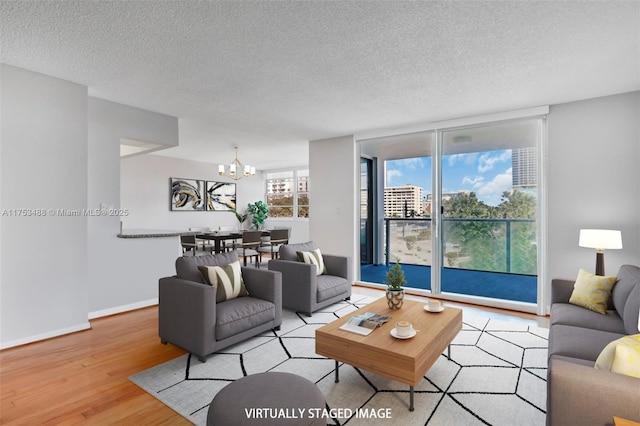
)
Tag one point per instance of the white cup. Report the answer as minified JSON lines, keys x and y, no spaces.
{"x":434,"y":305}
{"x":404,"y":328}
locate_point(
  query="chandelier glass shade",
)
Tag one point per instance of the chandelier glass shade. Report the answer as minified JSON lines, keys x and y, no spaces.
{"x":236,"y":169}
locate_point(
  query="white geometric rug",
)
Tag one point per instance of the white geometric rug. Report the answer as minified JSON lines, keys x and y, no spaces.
{"x":496,"y":375}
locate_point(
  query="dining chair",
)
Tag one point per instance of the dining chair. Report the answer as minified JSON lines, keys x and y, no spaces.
{"x":188,"y":243}
{"x":249,"y":247}
{"x":203,"y":244}
{"x":278,"y":238}
{"x":228,"y":245}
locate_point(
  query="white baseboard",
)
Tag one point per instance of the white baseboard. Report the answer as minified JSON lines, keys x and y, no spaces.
{"x":79,"y":327}
{"x":123,"y":308}
{"x":44,"y":336}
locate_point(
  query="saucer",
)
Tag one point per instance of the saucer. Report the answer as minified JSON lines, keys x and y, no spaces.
{"x":394,"y":334}
{"x":426,"y":308}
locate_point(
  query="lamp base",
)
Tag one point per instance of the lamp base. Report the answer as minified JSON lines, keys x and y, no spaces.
{"x":600,"y":263}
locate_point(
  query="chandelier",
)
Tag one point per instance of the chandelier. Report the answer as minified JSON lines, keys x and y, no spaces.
{"x":236,"y":170}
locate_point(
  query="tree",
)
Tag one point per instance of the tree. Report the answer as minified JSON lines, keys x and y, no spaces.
{"x":517,"y":205}
{"x":483,"y":242}
{"x":520,"y":205}
{"x":467,"y":206}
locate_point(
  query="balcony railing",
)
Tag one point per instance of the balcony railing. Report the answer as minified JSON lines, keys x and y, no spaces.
{"x":493,"y":245}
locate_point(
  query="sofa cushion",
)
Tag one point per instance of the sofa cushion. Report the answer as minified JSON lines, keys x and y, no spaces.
{"x":187,"y":266}
{"x":313,"y":257}
{"x":330,"y":286}
{"x":227,"y":279}
{"x":290,"y":251}
{"x":628,"y":278}
{"x":621,"y":356}
{"x":240,"y":314}
{"x":632,"y":311}
{"x":592,"y":291}
{"x":579,"y":361}
{"x":577,"y":342}
{"x":568,"y":314}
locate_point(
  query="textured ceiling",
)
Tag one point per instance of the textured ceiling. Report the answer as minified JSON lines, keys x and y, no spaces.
{"x":269,"y":76}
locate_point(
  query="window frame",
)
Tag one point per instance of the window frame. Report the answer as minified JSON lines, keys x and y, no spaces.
{"x":297,"y":173}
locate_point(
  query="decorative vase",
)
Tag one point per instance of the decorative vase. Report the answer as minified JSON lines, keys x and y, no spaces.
{"x":395,"y":298}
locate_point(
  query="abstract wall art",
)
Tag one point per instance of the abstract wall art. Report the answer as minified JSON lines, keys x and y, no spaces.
{"x":221,"y":196}
{"x":187,"y":195}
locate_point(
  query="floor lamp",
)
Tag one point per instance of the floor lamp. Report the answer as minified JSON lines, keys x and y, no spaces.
{"x":600,"y":239}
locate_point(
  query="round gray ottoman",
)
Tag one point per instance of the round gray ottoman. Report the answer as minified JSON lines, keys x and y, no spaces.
{"x":268,"y":399}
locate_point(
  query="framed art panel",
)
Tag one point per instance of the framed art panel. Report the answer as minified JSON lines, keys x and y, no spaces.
{"x":187,"y":195}
{"x":221,"y":196}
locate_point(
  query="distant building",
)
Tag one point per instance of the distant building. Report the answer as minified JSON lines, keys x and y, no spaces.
{"x":524,"y":168}
{"x":403,"y":201}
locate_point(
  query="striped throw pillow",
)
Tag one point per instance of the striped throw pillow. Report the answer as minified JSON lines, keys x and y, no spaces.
{"x":313,"y":257}
{"x":227,"y":280}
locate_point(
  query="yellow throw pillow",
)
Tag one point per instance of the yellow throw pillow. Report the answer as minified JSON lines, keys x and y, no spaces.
{"x":226,"y":279}
{"x":592,"y":291}
{"x":627,"y":358}
{"x":624,"y":353}
{"x":313,"y":257}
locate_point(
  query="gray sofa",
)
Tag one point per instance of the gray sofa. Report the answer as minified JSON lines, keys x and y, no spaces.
{"x":303,"y":290}
{"x":190,"y":318}
{"x":577,"y":393}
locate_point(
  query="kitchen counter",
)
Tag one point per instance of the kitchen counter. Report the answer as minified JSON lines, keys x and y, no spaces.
{"x":152,"y":233}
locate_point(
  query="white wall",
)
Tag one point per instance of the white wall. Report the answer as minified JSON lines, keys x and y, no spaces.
{"x":593,"y":181}
{"x":332,"y":196}
{"x":299,"y":228}
{"x":145,"y":193}
{"x":43,"y":166}
{"x":124,"y":272}
{"x":59,"y":150}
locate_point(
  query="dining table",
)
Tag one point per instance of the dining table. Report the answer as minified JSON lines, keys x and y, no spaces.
{"x":219,"y":236}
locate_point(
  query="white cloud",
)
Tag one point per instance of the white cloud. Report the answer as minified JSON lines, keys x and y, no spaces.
{"x":411,"y":163}
{"x":467,"y":159}
{"x":474,"y":181}
{"x":487,"y":161}
{"x":491,"y":192}
{"x":392,"y":174}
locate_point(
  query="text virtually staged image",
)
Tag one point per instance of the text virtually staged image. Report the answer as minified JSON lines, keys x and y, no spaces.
{"x":328,"y":213}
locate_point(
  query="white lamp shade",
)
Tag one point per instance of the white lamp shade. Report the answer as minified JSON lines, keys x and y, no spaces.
{"x":600,"y":239}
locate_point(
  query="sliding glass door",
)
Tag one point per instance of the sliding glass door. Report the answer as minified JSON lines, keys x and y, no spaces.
{"x":489,"y":193}
{"x":366,"y":211}
{"x":458,"y":207}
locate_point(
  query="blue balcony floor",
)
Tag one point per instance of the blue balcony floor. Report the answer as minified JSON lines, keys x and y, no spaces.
{"x":496,"y":285}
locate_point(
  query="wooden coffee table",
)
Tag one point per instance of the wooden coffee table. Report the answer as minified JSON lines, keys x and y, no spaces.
{"x":404,"y":360}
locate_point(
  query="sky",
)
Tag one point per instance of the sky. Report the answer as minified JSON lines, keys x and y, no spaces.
{"x":488,"y":174}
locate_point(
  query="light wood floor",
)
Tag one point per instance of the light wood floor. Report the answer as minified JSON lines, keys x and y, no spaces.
{"x":82,"y":378}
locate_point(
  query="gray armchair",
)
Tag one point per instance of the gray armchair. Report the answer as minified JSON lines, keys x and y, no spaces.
{"x":190,"y":318}
{"x":302,"y":289}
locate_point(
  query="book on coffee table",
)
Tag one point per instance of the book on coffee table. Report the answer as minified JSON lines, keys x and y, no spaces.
{"x":364,"y":323}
